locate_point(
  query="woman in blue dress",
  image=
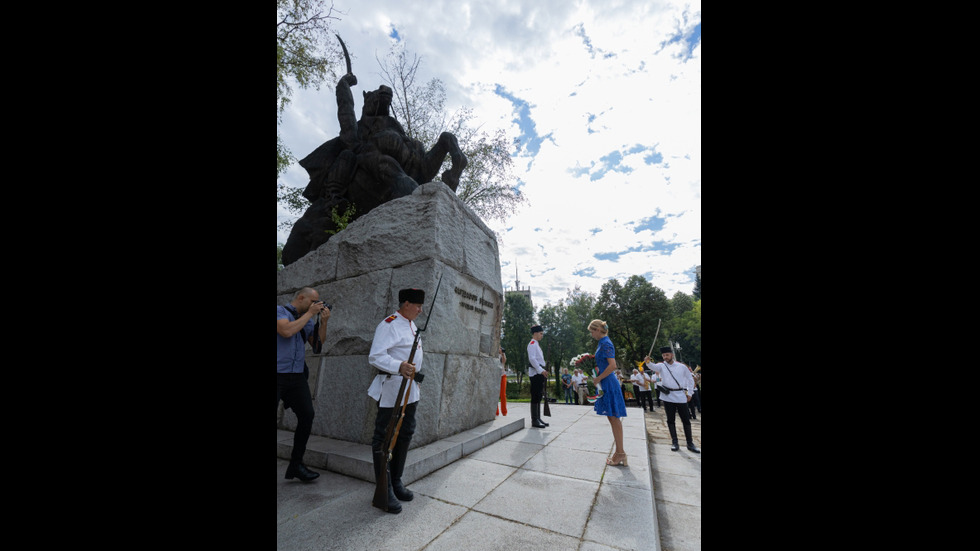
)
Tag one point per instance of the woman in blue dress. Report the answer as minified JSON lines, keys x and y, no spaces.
{"x":611,"y":403}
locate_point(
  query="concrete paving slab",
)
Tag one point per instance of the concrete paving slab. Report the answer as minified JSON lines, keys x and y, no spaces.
{"x":350,"y":523}
{"x":464,"y":483}
{"x":554,"y":503}
{"x":507,"y":452}
{"x":621,"y":518}
{"x":562,"y":462}
{"x":479,"y":531}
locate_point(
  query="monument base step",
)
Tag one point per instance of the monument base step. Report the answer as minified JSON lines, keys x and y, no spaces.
{"x":354,"y":460}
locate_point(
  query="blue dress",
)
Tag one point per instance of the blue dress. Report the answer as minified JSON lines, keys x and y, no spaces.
{"x":611,"y":403}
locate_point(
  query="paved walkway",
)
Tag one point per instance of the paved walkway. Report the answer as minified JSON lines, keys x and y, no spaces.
{"x":502,"y":486}
{"x":676,"y":483}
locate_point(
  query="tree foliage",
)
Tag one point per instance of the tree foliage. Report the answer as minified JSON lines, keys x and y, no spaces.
{"x":306,"y":51}
{"x":632,"y":311}
{"x":518,"y":319}
{"x":688,"y":333}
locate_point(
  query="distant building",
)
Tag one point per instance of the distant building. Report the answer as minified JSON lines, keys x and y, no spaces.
{"x":518,"y":290}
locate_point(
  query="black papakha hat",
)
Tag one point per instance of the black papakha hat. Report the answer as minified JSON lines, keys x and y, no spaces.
{"x":536,"y":328}
{"x":664,"y":349}
{"x":415,"y":296}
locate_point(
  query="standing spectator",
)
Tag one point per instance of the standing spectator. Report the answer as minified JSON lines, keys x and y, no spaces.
{"x":581,"y":387}
{"x":566,"y":383}
{"x":641,"y":385}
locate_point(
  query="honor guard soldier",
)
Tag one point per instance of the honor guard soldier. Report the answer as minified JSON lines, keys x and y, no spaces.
{"x":390,"y":351}
{"x":536,"y":371}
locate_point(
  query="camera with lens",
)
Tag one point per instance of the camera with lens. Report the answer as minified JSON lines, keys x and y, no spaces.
{"x":327,"y":304}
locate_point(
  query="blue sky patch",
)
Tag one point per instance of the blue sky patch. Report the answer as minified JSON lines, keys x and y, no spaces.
{"x":688,"y":39}
{"x":394,"y":34}
{"x":529,"y":139}
{"x":653,"y":224}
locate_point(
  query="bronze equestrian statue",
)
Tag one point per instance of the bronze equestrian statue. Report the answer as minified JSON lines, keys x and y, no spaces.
{"x":372,"y":162}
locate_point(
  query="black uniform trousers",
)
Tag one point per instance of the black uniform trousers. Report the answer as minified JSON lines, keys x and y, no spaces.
{"x":537,"y":390}
{"x":381,"y":426}
{"x":294,"y":391}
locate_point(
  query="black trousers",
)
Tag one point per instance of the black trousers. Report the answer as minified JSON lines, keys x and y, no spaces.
{"x":670,"y":408}
{"x":645,"y":397}
{"x":381,"y":426}
{"x":537,"y":390}
{"x":294,"y":391}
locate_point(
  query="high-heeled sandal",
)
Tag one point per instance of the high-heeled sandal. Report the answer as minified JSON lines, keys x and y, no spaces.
{"x":612,"y":460}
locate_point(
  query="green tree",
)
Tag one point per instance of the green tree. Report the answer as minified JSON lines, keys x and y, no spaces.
{"x":580,"y":308}
{"x":632,"y":310}
{"x":516,"y":327}
{"x":558,"y":340}
{"x":688,"y":333}
{"x":304,"y":50}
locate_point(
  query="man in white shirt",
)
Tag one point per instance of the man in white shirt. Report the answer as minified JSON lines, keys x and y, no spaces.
{"x":536,"y":371}
{"x":641,"y":386}
{"x":390,"y":352}
{"x":578,"y":379}
{"x":677,"y":379}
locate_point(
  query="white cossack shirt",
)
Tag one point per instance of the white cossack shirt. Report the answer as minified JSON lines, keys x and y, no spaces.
{"x":392,"y":345}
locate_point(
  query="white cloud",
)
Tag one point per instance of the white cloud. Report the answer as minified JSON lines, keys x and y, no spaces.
{"x":611,"y":91}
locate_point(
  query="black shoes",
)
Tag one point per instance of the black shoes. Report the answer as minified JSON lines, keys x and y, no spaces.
{"x":690,"y":445}
{"x":538,"y":424}
{"x":298,"y":470}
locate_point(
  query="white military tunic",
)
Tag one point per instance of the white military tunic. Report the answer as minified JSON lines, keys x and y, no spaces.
{"x":392,"y":345}
{"x":668,"y":372}
{"x":536,"y":358}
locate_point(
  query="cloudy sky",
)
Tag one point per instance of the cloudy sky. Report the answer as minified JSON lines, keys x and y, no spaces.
{"x":605,"y":98}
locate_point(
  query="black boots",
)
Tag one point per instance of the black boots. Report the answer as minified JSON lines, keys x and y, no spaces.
{"x":536,"y":421}
{"x":673,"y":445}
{"x":384,"y":498}
{"x":397,"y":467}
{"x":298,"y":470}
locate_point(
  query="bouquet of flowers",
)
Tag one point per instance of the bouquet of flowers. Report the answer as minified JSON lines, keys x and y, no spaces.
{"x":583,"y":361}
